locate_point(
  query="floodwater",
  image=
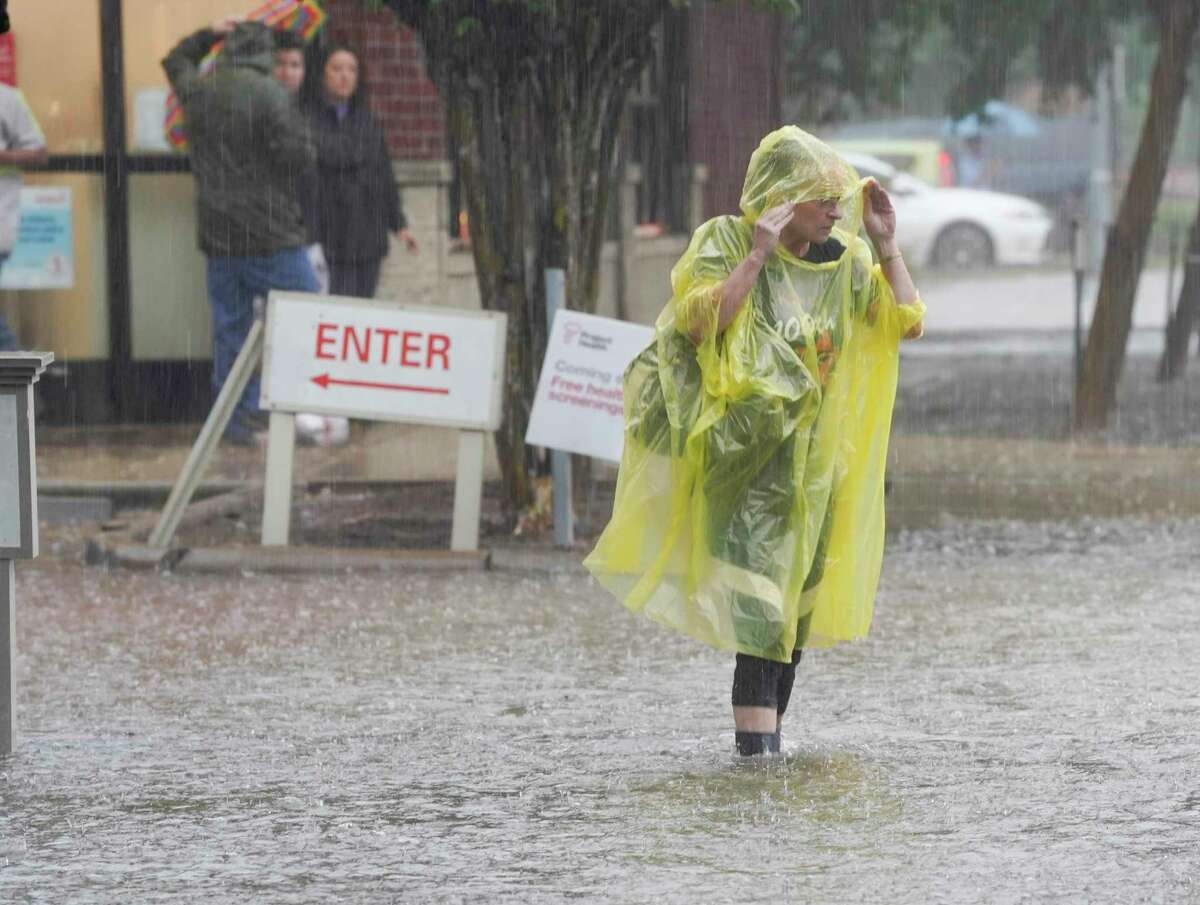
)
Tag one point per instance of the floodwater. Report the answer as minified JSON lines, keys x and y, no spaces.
{"x":1021,"y":726}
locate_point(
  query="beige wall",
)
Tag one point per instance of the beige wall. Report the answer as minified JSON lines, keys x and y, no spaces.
{"x":442,"y":275}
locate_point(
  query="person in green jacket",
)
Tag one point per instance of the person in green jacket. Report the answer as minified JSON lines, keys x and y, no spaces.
{"x":247,"y":141}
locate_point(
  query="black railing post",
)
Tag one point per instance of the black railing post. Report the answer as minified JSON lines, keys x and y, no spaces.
{"x":116,"y":207}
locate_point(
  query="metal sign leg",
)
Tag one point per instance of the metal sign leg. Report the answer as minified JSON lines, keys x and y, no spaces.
{"x":210,"y":435}
{"x":564,"y":522}
{"x":560,"y":462}
{"x":277,"y":493}
{"x":468,"y":491}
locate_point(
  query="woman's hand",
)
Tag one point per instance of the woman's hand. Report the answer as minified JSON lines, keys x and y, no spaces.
{"x":409,"y":240}
{"x":769,"y":226}
{"x":224,"y":26}
{"x":879,"y":217}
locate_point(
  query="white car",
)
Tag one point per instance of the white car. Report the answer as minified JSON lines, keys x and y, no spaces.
{"x":958,"y":228}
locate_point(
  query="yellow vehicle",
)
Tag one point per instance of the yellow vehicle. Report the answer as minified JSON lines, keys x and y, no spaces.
{"x":924,"y":158}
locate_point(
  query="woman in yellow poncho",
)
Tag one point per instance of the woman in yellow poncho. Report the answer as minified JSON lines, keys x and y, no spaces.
{"x":749,"y":504}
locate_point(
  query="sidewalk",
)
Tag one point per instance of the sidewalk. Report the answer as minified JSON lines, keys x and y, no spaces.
{"x":1028,"y":299}
{"x":155,"y":454}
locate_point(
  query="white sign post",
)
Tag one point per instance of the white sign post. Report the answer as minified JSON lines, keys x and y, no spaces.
{"x":380,"y":361}
{"x":19,"y":371}
{"x":579,"y":406}
{"x":560,"y":462}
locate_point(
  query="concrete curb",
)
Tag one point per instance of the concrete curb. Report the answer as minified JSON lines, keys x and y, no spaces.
{"x":133,"y":494}
{"x":541,"y":560}
{"x":280,"y":560}
{"x":149,"y":494}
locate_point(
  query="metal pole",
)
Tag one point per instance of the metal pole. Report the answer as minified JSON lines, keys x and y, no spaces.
{"x":1172,"y":257}
{"x":122,"y":388}
{"x":1100,"y":180}
{"x":560,"y":462}
{"x":19,"y":371}
{"x":1188,"y":259}
{"x":1077,"y":265}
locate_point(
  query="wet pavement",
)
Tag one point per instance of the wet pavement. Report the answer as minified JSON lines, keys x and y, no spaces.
{"x":1031,"y":299}
{"x":1019,"y":727}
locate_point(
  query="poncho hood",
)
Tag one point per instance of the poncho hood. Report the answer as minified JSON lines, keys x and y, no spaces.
{"x":790,"y":166}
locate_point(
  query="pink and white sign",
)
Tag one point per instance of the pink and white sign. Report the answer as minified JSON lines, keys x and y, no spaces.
{"x":579,"y":405}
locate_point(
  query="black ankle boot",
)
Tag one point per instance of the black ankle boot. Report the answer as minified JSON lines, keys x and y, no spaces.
{"x":751,"y":743}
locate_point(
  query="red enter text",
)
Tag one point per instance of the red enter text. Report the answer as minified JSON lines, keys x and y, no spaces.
{"x":384,"y":346}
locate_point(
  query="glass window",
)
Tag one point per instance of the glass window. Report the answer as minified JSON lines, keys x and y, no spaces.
{"x":169,"y":305}
{"x":73,"y":323}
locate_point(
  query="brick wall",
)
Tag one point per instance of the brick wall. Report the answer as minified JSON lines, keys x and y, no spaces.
{"x":734,"y":97}
{"x":401,"y":94}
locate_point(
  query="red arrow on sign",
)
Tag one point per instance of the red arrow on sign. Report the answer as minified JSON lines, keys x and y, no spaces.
{"x":324,"y":381}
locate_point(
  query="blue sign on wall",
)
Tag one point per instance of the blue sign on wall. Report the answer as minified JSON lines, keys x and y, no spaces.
{"x":44,"y":256}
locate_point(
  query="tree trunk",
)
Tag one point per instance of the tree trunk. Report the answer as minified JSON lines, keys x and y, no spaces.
{"x":581,"y":118}
{"x":534,"y":95}
{"x":1184,"y":321}
{"x":1109,"y":331}
{"x":493,"y":179}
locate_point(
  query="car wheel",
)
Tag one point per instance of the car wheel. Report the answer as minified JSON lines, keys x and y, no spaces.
{"x":962,"y":246}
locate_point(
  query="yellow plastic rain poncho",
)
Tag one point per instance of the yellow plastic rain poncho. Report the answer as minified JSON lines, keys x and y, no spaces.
{"x":749,"y":504}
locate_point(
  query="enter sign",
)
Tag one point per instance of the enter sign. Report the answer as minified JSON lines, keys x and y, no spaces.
{"x":382,"y":361}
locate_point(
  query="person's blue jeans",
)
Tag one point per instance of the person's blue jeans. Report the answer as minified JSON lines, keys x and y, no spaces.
{"x":8,"y":342}
{"x":233,"y":282}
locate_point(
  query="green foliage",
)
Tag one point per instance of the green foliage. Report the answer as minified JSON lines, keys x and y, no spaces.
{"x":465,"y":25}
{"x":1072,"y":38}
{"x":861,"y":51}
{"x":865,"y":51}
{"x":412,"y":11}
